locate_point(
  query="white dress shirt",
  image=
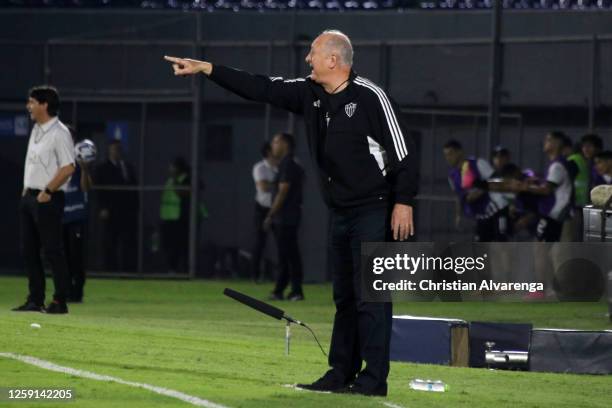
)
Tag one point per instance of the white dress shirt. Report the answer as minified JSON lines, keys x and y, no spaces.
{"x":264,"y":171}
{"x":49,"y":149}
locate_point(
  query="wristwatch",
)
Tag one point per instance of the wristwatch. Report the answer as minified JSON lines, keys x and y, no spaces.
{"x":47,"y":191}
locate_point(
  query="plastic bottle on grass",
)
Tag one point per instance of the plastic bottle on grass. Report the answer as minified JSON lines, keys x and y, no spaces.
{"x":428,"y":385}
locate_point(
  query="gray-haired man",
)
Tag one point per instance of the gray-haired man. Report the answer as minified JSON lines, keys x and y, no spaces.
{"x":366,"y":163}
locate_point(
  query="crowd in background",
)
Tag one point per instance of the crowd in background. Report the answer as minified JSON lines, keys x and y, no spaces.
{"x":509,"y":203}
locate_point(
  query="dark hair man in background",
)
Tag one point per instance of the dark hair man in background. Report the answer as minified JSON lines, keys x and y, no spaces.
{"x":366,"y":165}
{"x":264,"y":175}
{"x":591,"y":145}
{"x":118,"y":209}
{"x":499,"y":158}
{"x":603,"y":166}
{"x":48,"y":167}
{"x":285,"y":216}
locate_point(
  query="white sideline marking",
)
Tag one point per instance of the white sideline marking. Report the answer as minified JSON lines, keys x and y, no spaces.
{"x":47,"y":365}
{"x":391,"y":405}
{"x":295,"y":387}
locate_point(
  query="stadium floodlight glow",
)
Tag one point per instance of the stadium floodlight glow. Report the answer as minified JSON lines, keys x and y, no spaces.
{"x":271,"y":311}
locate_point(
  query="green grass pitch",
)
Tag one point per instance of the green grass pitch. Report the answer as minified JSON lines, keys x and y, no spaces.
{"x":188,"y":337}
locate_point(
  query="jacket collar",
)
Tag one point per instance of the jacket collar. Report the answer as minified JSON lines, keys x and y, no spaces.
{"x":339,"y":99}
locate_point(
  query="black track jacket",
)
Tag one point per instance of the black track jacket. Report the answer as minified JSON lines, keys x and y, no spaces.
{"x":360,"y":145}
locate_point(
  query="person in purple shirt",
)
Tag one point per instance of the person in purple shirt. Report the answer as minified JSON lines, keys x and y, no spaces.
{"x":468,"y":180}
{"x":555,"y":192}
{"x":555,"y":203}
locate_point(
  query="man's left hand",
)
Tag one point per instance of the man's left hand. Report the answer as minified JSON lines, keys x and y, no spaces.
{"x":43,"y":197}
{"x":267,"y":223}
{"x":402,"y":223}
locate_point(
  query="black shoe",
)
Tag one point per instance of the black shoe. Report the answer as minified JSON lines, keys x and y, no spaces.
{"x":328,"y":383}
{"x":57,"y":307}
{"x":356,"y":388}
{"x":29,"y":307}
{"x":275,"y":296}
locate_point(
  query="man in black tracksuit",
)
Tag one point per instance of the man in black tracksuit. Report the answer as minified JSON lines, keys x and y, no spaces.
{"x":367,"y":173}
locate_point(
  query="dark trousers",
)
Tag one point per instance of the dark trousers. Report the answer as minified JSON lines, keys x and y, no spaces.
{"x":261,"y":237}
{"x":75,"y":246}
{"x":41,"y":228}
{"x":362,"y":330}
{"x":121,"y":243}
{"x":175,"y":241}
{"x":289,"y":259}
{"x":494,"y":228}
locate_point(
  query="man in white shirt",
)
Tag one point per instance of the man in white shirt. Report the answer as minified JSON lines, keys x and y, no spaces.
{"x":555,"y":192}
{"x":264,"y":175}
{"x":48,"y":167}
{"x":555,"y":204}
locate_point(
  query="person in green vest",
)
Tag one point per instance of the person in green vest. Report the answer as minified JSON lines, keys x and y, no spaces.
{"x":581,"y":183}
{"x":582,"y":157}
{"x":590,"y":145}
{"x":174,"y":215}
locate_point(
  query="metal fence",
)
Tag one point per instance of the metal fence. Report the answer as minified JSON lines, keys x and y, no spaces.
{"x":141,"y":91}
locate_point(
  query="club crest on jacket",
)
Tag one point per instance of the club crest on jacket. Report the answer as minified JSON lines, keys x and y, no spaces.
{"x":350,"y":108}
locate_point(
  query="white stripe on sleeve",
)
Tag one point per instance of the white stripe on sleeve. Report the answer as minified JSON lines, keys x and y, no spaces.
{"x":394,"y":128}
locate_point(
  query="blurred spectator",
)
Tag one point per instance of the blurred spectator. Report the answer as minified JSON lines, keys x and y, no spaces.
{"x":572,"y":226}
{"x":468,"y":179}
{"x":581,"y":180}
{"x":555,"y":191}
{"x":285,"y":216}
{"x":174,"y":214}
{"x":75,"y":225}
{"x":264,"y":174}
{"x":499,"y":158}
{"x":523,"y":210}
{"x":118,"y":203}
{"x":591,"y":145}
{"x":566,"y":151}
{"x":554,"y":207}
{"x":603,"y":166}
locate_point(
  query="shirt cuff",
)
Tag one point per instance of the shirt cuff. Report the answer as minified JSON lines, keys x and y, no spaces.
{"x":406,"y":199}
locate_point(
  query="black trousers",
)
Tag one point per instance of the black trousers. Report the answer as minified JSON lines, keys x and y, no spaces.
{"x":549,"y":230}
{"x":261,"y":236}
{"x":289,"y":259}
{"x":121,"y":242}
{"x":175,"y":241}
{"x":362,"y":330}
{"x":494,"y":228}
{"x":41,"y":228}
{"x":75,"y":240}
